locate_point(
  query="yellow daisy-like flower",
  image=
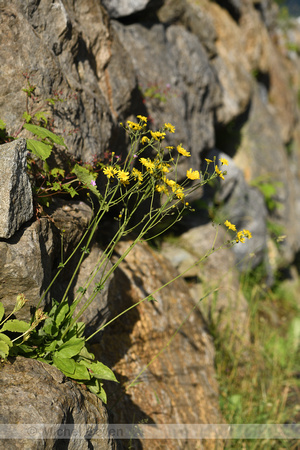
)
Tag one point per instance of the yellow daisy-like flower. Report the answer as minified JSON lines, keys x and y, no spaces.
{"x":150,"y":165}
{"x":247,"y":234}
{"x":169,"y":147}
{"x":123,"y":177}
{"x":133,"y":126}
{"x":208,"y":160}
{"x":157,"y":135}
{"x":218,"y":172}
{"x":179,"y":194}
{"x":110,"y":171}
{"x":224,"y":161}
{"x":240,"y":237}
{"x":169,"y":127}
{"x":142,"y":118}
{"x":193,"y":175}
{"x":230,"y":225}
{"x":161,"y":189}
{"x":145,"y":140}
{"x":137,"y":175}
{"x":182,"y":151}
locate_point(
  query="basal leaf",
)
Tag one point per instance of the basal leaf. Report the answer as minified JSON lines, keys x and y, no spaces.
{"x":66,"y":365}
{"x":40,"y":149}
{"x":2,"y":311}
{"x":99,"y":370}
{"x":17,"y":326}
{"x":61,"y":313}
{"x":5,"y":339}
{"x":2,"y":125}
{"x":70,"y":348}
{"x":4,"y":349}
{"x":43,"y":133}
{"x":81,"y":372}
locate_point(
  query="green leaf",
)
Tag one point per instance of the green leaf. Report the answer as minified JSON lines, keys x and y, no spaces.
{"x":6,"y":339}
{"x":81,"y":372}
{"x":70,"y":348}
{"x":27,"y":117}
{"x":66,"y":365}
{"x":56,"y":171}
{"x":2,"y":310}
{"x":4,"y":349}
{"x":41,"y":115}
{"x":43,"y":133}
{"x":87,"y":178}
{"x":102,"y":395}
{"x":61,"y":313}
{"x":2,"y":125}
{"x":99,"y":370}
{"x":40,"y":149}
{"x":17,"y":326}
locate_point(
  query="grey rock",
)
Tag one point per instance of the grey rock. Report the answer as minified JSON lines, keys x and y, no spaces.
{"x":243,"y":206}
{"x":123,"y":8}
{"x":26,"y":262}
{"x":94,"y":266}
{"x":16,"y":205}
{"x":34,"y":393}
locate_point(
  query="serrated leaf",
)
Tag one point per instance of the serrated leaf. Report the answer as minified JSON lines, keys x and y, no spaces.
{"x":5,"y":339}
{"x":70,"y":348}
{"x":66,"y":365}
{"x":40,"y":149}
{"x":4,"y":349}
{"x":87,"y":178}
{"x":16,"y":326}
{"x":43,"y":133}
{"x":2,"y":310}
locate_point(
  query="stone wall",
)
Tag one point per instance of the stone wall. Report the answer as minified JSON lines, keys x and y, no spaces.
{"x":227,"y":77}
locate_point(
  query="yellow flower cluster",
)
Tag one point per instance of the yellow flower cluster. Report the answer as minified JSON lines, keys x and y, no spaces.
{"x":240,"y":235}
{"x":157,"y":168}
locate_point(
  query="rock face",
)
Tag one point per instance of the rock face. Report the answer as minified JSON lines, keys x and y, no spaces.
{"x":16,"y":206}
{"x":227,"y":77}
{"x":181,"y":379}
{"x":35,"y":394}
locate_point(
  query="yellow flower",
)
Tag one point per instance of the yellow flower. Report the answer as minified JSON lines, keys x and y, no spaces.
{"x":193,"y":175}
{"x":179,"y":194}
{"x":208,"y":160}
{"x":247,"y":234}
{"x":218,"y":172}
{"x":110,"y":171}
{"x":169,"y":127}
{"x":182,"y":151}
{"x":169,"y":147}
{"x":142,"y":118}
{"x":145,"y":140}
{"x":157,"y":135}
{"x":240,"y":237}
{"x":134,"y":126}
{"x":224,"y":161}
{"x":137,"y":174}
{"x":230,"y":225}
{"x":161,"y":188}
{"x":123,"y":177}
{"x":150,"y":165}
